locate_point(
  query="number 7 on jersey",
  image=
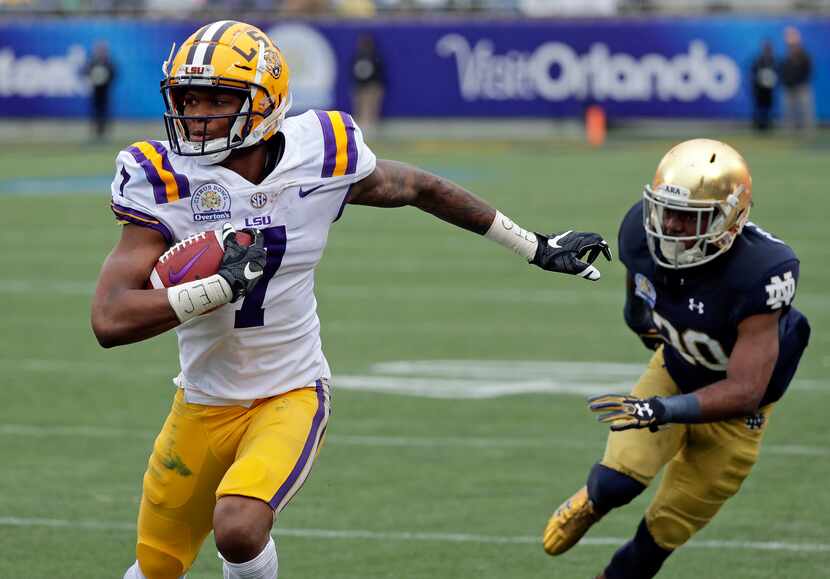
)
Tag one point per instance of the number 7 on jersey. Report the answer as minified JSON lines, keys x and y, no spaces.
{"x":252,"y":314}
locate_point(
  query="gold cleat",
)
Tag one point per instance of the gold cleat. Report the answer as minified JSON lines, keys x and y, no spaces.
{"x":569,"y":523}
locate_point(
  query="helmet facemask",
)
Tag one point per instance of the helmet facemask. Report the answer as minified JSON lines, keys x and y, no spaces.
{"x":178,"y":124}
{"x":717,"y":224}
{"x":239,"y":135}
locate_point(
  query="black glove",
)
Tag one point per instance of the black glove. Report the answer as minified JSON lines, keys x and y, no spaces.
{"x":624,"y":412}
{"x":564,"y":253}
{"x":242,"y":266}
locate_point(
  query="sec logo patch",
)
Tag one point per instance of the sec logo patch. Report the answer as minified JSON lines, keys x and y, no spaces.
{"x":259,"y":200}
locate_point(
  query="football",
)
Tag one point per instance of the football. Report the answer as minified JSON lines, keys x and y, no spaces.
{"x":195,"y":257}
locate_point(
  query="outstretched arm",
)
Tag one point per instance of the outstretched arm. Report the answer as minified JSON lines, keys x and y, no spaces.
{"x":395,"y":184}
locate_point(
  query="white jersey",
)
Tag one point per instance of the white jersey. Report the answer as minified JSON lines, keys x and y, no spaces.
{"x":269,"y":342}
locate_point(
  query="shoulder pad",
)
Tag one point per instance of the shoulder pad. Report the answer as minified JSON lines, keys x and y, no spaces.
{"x":631,"y":240}
{"x":326,"y":145}
{"x":756,"y":255}
{"x":149,"y":162}
{"x":339,"y":144}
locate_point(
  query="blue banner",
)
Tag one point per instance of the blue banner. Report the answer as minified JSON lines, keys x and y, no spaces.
{"x":692,"y":68}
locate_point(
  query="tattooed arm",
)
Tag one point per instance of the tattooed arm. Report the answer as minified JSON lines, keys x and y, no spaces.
{"x":394,"y":184}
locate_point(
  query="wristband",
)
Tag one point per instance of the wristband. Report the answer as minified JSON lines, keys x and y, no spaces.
{"x":197,"y":297}
{"x":512,"y":236}
{"x":683,"y":408}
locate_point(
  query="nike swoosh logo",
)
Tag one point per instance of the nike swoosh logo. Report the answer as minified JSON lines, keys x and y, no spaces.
{"x":309,"y":191}
{"x":177,"y":276}
{"x":554,"y":243}
{"x":250,"y":275}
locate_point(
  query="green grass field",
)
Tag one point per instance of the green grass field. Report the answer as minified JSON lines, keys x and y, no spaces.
{"x":408,"y":486}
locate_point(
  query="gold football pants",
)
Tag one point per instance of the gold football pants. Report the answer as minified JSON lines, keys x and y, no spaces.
{"x":206,"y":452}
{"x":706,"y":463}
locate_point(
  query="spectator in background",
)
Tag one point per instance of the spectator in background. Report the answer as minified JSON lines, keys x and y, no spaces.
{"x":764,"y":80}
{"x":100,"y":71}
{"x":795,"y":71}
{"x":368,"y":83}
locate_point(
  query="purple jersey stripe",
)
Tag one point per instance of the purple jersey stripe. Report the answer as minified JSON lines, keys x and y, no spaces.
{"x":314,"y":435}
{"x":351,"y":144}
{"x":159,"y":190}
{"x":330,"y":143}
{"x":136,"y":217}
{"x":181,"y":181}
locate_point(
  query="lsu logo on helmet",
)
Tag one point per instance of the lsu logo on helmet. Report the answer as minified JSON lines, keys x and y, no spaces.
{"x":231,"y":56}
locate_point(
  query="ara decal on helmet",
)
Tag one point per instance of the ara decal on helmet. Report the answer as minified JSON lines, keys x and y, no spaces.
{"x":228,"y":56}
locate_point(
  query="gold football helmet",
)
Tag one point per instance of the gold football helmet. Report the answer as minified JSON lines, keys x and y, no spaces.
{"x":231,"y":56}
{"x":697,"y":203}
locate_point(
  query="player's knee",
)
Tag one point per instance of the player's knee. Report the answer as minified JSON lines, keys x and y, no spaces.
{"x":671,"y":532}
{"x":677,"y":516}
{"x":157,"y":564}
{"x":639,"y":558}
{"x":241,"y":527}
{"x":610,"y":489}
{"x":674,"y":524}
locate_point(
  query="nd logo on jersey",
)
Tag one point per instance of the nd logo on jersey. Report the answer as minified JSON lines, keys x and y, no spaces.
{"x":211,"y":202}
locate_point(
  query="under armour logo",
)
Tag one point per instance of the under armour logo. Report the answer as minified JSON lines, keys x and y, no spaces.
{"x":755,"y":421}
{"x":643,"y":410}
{"x":780,"y":290}
{"x":695,"y":306}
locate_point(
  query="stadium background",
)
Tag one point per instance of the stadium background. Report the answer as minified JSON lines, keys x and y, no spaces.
{"x":460,"y":373}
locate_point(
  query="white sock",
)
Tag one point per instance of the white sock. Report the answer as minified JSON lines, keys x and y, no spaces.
{"x":134,"y":572}
{"x":263,"y":566}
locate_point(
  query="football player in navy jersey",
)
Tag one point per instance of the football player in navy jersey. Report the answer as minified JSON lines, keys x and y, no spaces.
{"x":712,"y":294}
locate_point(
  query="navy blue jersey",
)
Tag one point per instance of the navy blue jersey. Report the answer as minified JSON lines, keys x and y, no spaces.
{"x":697,"y":310}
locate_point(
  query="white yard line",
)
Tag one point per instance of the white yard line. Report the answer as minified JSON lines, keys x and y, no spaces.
{"x":381,"y":536}
{"x":450,"y":379}
{"x":35,"y":431}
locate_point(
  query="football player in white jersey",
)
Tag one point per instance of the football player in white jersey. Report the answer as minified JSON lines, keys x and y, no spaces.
{"x":252,"y":403}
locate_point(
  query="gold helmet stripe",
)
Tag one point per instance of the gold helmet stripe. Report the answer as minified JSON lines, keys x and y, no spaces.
{"x":207,"y":39}
{"x":226,"y":30}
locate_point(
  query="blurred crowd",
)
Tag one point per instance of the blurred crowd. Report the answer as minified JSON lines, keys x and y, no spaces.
{"x":368,"y":8}
{"x":792,"y":73}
